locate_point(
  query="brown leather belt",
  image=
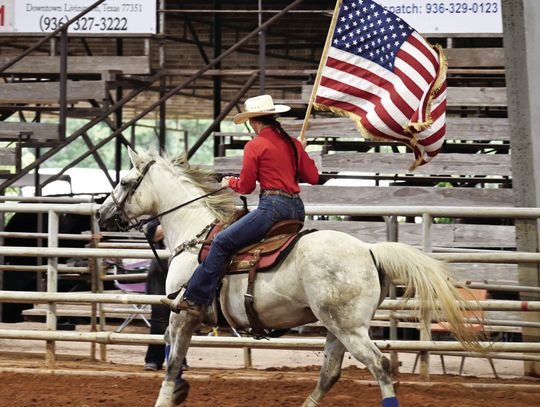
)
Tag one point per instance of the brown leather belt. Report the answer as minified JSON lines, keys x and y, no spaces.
{"x":278,"y":192}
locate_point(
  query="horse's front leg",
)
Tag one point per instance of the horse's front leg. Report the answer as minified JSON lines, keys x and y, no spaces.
{"x":174,"y":389}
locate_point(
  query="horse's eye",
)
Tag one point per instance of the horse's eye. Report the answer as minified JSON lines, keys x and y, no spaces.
{"x":123,"y":182}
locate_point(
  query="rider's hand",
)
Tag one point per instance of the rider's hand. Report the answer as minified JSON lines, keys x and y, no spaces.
{"x":225,"y":182}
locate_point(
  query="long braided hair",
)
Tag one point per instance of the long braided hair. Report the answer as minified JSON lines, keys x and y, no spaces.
{"x":272,"y":121}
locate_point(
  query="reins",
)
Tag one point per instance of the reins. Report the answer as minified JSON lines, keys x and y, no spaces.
{"x":140,"y":224}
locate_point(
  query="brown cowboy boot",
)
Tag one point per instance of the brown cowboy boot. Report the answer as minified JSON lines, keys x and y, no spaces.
{"x":181,"y":304}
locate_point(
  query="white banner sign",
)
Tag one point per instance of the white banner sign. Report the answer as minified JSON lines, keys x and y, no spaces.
{"x":6,"y":15}
{"x":448,"y":16}
{"x":110,"y":17}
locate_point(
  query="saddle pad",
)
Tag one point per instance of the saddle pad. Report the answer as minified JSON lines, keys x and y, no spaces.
{"x":242,"y":261}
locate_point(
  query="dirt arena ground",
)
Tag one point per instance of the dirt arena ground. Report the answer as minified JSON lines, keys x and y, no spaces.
{"x":217,"y":377}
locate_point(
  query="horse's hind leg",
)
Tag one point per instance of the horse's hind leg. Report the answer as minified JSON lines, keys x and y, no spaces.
{"x":361,"y":347}
{"x":174,"y":389}
{"x":330,"y":371}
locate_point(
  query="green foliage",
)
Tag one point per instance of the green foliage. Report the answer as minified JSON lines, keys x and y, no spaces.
{"x":146,"y":138}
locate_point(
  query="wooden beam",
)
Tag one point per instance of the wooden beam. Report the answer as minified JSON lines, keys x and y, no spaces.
{"x":49,"y":92}
{"x":457,"y":128}
{"x":443,"y":164}
{"x":399,"y":195}
{"x":475,"y":57}
{"x":8,"y":156}
{"x":32,"y":131}
{"x":456,"y":235}
{"x":390,"y":163}
{"x":80,"y":65}
{"x":457,"y":97}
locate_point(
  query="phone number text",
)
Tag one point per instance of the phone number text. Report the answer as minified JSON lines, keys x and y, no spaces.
{"x":47,"y":23}
{"x":462,"y":8}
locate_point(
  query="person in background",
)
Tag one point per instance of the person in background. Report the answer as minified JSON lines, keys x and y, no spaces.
{"x":155,"y":284}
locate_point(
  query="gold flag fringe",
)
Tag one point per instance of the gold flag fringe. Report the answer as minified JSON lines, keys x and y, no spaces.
{"x":418,"y":127}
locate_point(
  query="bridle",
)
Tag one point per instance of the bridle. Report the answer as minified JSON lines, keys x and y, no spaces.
{"x":119,"y":205}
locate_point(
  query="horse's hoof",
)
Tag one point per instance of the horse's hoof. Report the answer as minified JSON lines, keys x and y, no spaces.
{"x":181,"y":391}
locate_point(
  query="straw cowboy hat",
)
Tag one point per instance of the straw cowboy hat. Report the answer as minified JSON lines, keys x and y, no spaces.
{"x":259,"y":106}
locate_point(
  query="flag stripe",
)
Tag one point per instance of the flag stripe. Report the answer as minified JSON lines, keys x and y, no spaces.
{"x":359,"y":112}
{"x":350,"y":63}
{"x":394,"y":104}
{"x":373,"y":112}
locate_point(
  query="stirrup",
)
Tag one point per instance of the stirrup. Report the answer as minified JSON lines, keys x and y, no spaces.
{"x":173,"y":300}
{"x":181,"y":304}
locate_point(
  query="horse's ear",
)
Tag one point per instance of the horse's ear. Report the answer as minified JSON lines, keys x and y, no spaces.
{"x":135,"y":158}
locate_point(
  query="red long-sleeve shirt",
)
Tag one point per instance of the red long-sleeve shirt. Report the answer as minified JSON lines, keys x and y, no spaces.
{"x":269,"y":159}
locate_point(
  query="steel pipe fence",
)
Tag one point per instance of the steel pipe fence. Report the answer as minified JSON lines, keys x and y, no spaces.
{"x":39,"y":297}
{"x":52,"y":252}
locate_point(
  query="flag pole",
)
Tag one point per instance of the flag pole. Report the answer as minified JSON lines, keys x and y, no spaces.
{"x":319,"y":72}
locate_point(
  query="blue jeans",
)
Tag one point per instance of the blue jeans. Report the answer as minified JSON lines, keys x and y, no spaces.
{"x":248,"y":230}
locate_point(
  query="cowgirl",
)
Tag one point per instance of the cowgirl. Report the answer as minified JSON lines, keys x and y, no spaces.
{"x":279,"y":163}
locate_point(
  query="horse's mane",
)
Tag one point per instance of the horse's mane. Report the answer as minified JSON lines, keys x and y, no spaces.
{"x":221,"y":204}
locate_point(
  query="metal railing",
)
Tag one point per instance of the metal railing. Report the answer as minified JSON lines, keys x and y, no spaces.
{"x":52,"y":252}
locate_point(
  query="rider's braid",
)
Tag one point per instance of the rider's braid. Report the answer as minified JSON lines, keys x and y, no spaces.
{"x":271,"y":121}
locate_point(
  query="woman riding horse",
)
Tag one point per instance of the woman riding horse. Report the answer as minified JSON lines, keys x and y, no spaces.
{"x":278,"y":162}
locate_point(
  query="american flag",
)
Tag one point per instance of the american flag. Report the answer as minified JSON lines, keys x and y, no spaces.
{"x":386,"y":77}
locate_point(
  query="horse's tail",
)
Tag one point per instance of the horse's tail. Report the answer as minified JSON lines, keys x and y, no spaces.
{"x":429,"y":280}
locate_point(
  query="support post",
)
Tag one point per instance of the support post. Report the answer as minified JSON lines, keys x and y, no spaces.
{"x":522,"y":51}
{"x":94,"y":278}
{"x":52,"y":287}
{"x":118,"y":118}
{"x":262,"y":55}
{"x":162,"y":137}
{"x":216,"y":38}
{"x":63,"y":83}
{"x":425,"y":334}
{"x":392,"y":236}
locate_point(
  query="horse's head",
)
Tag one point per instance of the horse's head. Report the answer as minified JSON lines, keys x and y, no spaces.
{"x":131,"y":197}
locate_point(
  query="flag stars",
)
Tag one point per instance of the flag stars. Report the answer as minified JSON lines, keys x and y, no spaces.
{"x":365,"y":28}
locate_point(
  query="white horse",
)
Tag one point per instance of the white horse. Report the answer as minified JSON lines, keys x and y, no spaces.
{"x":329,"y":276}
